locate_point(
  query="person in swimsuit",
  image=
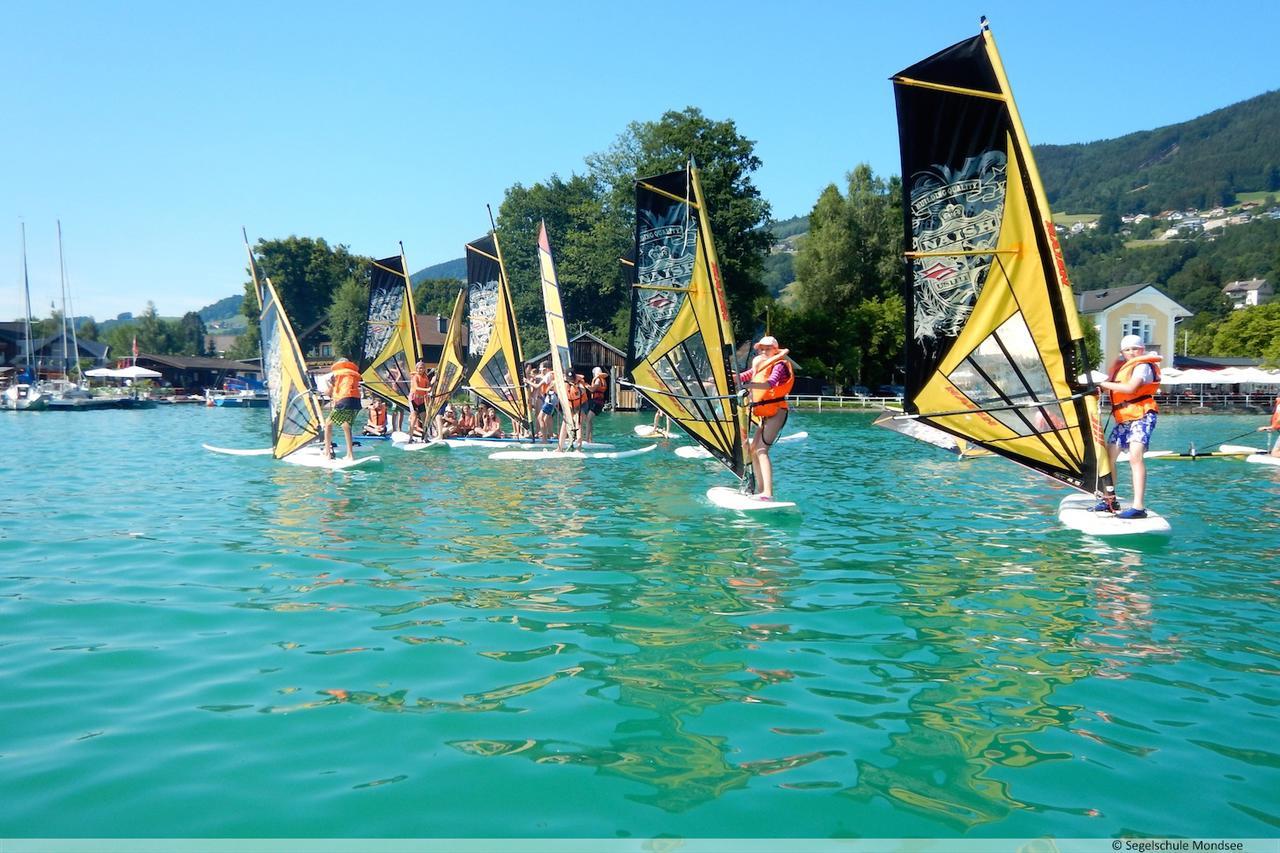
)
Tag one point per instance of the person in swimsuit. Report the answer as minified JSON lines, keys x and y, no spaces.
{"x":1273,"y":427}
{"x":419,"y":388}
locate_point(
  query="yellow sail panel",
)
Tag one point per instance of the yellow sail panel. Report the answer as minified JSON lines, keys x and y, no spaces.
{"x":496,"y":376}
{"x":451,"y":369}
{"x":680,"y":347}
{"x":557,"y":334}
{"x":295,"y":412}
{"x":390,"y":347}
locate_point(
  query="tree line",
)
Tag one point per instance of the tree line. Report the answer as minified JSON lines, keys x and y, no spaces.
{"x":842,"y":316}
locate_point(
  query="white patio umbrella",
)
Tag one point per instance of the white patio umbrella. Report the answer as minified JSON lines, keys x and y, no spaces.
{"x":101,"y":373}
{"x":135,"y":372}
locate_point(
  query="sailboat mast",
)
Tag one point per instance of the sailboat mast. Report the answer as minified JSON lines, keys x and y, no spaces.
{"x":26,"y":296}
{"x":70,"y":310}
{"x":66,"y":370}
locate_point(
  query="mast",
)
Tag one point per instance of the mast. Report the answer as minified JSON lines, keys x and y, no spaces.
{"x":69,"y":305}
{"x":26,"y":295}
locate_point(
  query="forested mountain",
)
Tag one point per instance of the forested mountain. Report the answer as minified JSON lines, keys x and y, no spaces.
{"x":224,"y":309}
{"x":456,"y":268}
{"x":1199,"y":163}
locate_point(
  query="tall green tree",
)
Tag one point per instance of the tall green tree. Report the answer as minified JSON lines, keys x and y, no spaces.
{"x":306,"y":272}
{"x":586,"y":252}
{"x":849,"y":319}
{"x":726,"y":160}
{"x":346,"y":318}
{"x":190,"y":334}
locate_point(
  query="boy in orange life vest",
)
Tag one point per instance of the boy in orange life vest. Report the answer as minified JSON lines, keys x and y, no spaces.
{"x":344,"y":394}
{"x":1134,"y":381}
{"x":1274,"y":426}
{"x":769,"y":391}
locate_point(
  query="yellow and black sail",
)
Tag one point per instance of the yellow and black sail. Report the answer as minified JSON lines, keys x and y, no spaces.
{"x":452,"y":366}
{"x":493,"y":340}
{"x":390,"y":347}
{"x":680,"y":350}
{"x":994,"y":347}
{"x":295,"y":411}
{"x":557,"y":333}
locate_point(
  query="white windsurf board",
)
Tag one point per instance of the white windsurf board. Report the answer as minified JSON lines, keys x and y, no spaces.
{"x":547,"y":454}
{"x":700,"y":452}
{"x":1076,"y":512}
{"x":312,"y":456}
{"x":239,"y":451}
{"x":650,"y":431}
{"x":727,"y":498}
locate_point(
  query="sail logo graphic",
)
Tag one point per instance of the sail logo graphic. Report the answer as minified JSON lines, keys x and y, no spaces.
{"x":483,"y":305}
{"x":938,"y":272}
{"x":666,"y":253}
{"x":954,"y":210}
{"x":384,"y":316}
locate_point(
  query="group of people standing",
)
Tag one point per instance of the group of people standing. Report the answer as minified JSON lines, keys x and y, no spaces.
{"x":585,"y":401}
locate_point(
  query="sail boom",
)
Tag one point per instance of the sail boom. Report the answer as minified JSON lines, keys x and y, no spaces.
{"x":660,"y":288}
{"x":669,"y":195}
{"x":1033,"y":404}
{"x":963,"y":253}
{"x":954,"y":90}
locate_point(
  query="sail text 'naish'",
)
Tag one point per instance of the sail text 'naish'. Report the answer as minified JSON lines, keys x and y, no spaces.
{"x":680,"y":352}
{"x":994,"y":346}
{"x":493,"y":339}
{"x":390,"y":347}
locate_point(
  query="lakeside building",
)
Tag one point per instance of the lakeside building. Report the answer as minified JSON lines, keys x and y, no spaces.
{"x":1139,"y":309}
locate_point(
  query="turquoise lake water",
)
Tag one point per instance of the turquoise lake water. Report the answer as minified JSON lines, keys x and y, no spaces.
{"x":194,"y":645}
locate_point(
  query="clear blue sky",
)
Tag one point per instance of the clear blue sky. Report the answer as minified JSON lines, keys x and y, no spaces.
{"x":155,"y":130}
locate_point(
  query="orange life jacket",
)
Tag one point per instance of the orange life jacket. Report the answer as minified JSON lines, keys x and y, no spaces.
{"x":577,"y":393}
{"x":377,"y":416}
{"x":1133,"y":405}
{"x":769,"y":401}
{"x":346,"y":381}
{"x":599,"y":387}
{"x":1275,"y":416}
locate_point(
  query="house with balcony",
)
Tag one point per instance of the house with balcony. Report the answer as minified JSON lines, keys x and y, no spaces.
{"x":1244,"y":294}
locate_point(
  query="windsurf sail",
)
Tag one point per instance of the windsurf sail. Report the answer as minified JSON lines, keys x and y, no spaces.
{"x":450,"y":369}
{"x":995,"y":354}
{"x":295,"y":411}
{"x":390,"y":338}
{"x":493,"y":340}
{"x":680,"y":350}
{"x":557,"y":334}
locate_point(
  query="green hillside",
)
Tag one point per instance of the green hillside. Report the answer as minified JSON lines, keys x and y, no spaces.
{"x":1199,"y":163}
{"x":457,"y":268}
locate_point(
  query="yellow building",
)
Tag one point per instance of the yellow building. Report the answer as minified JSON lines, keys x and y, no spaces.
{"x":1138,"y":309}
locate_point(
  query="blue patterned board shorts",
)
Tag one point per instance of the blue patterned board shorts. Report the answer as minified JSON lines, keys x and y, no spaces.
{"x":1139,"y":431}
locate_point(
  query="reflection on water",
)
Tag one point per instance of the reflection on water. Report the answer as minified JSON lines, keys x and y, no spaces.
{"x":921,"y":651}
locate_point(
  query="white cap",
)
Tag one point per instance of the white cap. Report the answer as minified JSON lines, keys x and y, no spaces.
{"x":767,"y":341}
{"x":1132,"y":342}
